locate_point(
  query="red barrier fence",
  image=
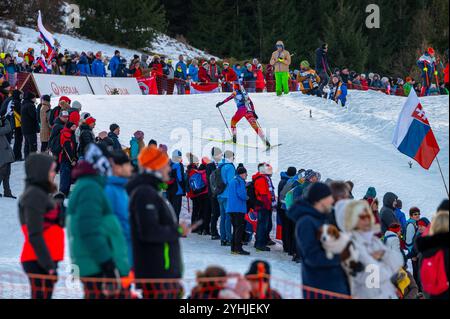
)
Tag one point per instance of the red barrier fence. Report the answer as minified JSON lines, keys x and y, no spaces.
{"x":167,"y":86}
{"x":16,"y":285}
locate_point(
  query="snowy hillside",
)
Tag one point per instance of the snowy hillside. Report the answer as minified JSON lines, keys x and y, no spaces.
{"x":162,"y":45}
{"x":353,"y":144}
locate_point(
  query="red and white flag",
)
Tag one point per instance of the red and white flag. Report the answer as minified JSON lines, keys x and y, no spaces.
{"x":205,"y":88}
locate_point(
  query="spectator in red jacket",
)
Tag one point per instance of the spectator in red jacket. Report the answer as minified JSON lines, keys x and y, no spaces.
{"x":266,"y":202}
{"x":203,"y":75}
{"x":260,"y":82}
{"x":228,"y":76}
{"x":447,"y":76}
{"x":156,"y":66}
{"x":364,"y":83}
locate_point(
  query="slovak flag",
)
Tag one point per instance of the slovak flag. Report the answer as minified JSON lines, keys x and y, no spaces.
{"x":47,"y":37}
{"x":413,"y":135}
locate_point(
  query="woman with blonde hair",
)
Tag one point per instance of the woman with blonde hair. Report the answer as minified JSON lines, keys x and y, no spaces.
{"x":380,"y":262}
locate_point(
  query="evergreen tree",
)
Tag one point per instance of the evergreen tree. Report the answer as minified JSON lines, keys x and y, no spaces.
{"x":343,"y":33}
{"x":132,"y":23}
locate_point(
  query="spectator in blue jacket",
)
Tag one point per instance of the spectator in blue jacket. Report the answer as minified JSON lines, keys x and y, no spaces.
{"x":193,"y":70}
{"x":401,"y":216}
{"x":98,"y":67}
{"x":83,"y":65}
{"x":427,"y":65}
{"x":228,"y":172}
{"x":114,"y":64}
{"x":182,"y":65}
{"x":249,"y":78}
{"x":117,"y":195}
{"x":180,"y":75}
{"x":237,"y":208}
{"x":310,"y":214}
{"x":175,"y":192}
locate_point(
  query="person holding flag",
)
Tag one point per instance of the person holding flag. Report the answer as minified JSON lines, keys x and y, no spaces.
{"x":245,"y":108}
{"x":427,"y":63}
{"x":49,"y":42}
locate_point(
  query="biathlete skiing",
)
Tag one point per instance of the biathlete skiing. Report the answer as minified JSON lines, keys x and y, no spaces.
{"x":245,"y":108}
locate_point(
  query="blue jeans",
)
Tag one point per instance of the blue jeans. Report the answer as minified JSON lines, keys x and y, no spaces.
{"x":65,"y":178}
{"x":225,"y":221}
{"x":262,"y":229}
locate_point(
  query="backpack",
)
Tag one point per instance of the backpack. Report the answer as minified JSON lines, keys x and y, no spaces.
{"x":433,"y":274}
{"x":289,"y":199}
{"x":216,"y":183}
{"x":55,"y":144}
{"x":197,"y":184}
{"x":252,"y":201}
{"x":291,"y":184}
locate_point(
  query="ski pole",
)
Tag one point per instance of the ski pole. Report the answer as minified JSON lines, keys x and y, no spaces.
{"x":225,"y":121}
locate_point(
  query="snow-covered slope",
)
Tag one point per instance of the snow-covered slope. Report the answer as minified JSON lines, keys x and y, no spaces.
{"x":163,"y":45}
{"x":353,"y":144}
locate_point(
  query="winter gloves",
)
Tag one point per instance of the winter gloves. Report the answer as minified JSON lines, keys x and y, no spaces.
{"x":219,"y":104}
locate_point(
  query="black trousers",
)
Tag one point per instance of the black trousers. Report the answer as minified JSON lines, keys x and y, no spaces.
{"x":195,"y":216}
{"x":215,"y":214}
{"x":5,"y":172}
{"x":44,"y":147}
{"x":238,"y":222}
{"x":176,"y":201}
{"x":205,"y":213}
{"x":18,"y":143}
{"x":30,"y":144}
{"x":416,"y":269}
{"x":40,"y":288}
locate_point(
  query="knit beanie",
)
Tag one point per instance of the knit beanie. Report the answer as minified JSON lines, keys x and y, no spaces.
{"x":291,"y":172}
{"x":316,"y":192}
{"x":152,"y":158}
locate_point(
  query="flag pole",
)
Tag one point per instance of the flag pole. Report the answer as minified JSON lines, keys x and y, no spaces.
{"x":443,"y":177}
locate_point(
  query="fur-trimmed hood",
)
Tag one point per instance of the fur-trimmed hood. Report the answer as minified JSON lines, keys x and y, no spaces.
{"x":353,"y":210}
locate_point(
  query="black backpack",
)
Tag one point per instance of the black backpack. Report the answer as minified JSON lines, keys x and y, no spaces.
{"x":216,"y":183}
{"x":55,"y":144}
{"x":252,"y":200}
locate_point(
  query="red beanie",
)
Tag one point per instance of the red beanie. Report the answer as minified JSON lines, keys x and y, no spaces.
{"x":90,"y":120}
{"x":65,"y":99}
{"x":431,"y":51}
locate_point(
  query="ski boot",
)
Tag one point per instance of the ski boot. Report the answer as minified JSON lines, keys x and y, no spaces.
{"x":268,"y":145}
{"x":234,"y":139}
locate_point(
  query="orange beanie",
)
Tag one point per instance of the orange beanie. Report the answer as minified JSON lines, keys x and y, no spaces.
{"x":152,"y":158}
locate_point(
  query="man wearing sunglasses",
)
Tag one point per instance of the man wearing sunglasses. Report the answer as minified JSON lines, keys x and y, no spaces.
{"x":281,"y":60}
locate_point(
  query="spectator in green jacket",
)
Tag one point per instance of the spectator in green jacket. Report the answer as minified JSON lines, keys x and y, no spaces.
{"x":97,"y":244}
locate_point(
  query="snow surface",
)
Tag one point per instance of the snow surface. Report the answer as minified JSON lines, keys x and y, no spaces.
{"x":162,"y":45}
{"x":349,"y":144}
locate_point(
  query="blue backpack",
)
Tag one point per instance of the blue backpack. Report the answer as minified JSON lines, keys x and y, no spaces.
{"x":197,"y":184}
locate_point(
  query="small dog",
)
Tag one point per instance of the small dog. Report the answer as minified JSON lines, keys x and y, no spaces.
{"x":340,"y":244}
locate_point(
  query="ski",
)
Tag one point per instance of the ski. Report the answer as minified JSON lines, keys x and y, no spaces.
{"x":230,"y":142}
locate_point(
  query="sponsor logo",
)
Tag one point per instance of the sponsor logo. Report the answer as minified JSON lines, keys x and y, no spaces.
{"x":64,"y":89}
{"x":116,"y":91}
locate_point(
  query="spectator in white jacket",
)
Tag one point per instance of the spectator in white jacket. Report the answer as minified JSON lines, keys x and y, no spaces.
{"x":381,"y":263}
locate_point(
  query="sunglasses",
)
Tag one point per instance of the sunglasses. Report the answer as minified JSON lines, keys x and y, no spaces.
{"x":365,"y":217}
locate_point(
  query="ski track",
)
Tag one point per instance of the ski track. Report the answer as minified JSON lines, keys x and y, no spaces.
{"x":353,"y":143}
